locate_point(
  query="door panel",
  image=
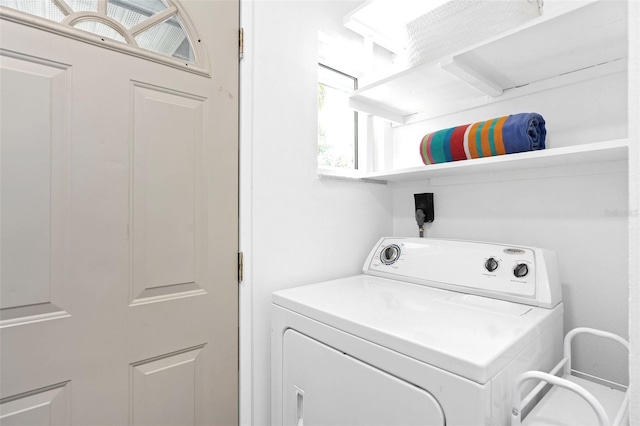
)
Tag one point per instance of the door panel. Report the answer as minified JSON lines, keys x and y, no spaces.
{"x":168,"y":197}
{"x":168,"y":390}
{"x":47,"y":406}
{"x":34,"y":181}
{"x":119,"y":230}
{"x":323,"y":386}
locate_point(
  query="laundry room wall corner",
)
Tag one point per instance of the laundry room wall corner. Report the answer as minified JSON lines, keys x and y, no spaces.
{"x":295,"y":228}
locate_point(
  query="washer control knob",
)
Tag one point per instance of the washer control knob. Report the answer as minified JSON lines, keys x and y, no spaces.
{"x":521,"y":270}
{"x":491,"y":264}
{"x":390,"y":254}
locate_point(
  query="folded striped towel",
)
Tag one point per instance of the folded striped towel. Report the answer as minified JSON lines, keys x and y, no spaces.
{"x":503,"y":135}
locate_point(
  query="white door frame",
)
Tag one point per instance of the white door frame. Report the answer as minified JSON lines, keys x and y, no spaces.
{"x":246,"y":217}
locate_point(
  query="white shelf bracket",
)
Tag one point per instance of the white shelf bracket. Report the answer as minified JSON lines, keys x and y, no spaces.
{"x":470,"y":76}
{"x":363,"y":106}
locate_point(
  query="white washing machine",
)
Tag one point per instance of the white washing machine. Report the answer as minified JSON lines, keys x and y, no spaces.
{"x":434,"y":332}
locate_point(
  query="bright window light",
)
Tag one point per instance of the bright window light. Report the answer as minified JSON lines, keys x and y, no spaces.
{"x":337,"y":123}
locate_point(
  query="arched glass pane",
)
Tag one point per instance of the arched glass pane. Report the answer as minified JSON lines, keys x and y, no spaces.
{"x":100,"y":29}
{"x":168,"y":38}
{"x":43,"y":8}
{"x":132,"y":12}
{"x":83,"y":5}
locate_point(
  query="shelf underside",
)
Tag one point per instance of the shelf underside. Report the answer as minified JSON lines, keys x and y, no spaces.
{"x":584,"y":42}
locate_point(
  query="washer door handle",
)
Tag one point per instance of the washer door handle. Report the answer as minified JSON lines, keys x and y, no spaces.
{"x":299,"y":406}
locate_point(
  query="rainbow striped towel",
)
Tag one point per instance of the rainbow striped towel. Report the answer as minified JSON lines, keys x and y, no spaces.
{"x":503,"y":135}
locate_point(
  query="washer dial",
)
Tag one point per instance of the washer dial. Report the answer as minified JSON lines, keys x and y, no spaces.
{"x":491,"y":264}
{"x":521,"y":270}
{"x":390,"y":254}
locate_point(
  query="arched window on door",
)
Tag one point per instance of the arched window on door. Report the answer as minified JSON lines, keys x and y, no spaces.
{"x":153,"y":28}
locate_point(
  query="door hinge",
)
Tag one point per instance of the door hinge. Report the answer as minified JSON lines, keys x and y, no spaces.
{"x":240,"y":266}
{"x":241,"y":44}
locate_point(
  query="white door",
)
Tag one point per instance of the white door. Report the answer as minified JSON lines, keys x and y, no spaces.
{"x":119,"y":231}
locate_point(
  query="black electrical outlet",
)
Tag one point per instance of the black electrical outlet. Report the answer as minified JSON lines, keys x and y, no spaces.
{"x":424,"y":202}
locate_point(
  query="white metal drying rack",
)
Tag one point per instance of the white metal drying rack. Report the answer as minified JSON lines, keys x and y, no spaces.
{"x":603,"y":418}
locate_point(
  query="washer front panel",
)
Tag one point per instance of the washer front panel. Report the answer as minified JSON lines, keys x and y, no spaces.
{"x":448,"y":389}
{"x":323,"y":386}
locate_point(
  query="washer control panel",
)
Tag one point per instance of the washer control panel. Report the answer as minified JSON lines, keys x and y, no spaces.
{"x":520,"y":270}
{"x":523,"y":274}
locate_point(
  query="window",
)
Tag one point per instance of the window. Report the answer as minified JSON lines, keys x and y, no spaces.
{"x":149,"y":25}
{"x":337,"y":123}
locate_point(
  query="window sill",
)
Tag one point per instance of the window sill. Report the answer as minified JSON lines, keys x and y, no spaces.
{"x":346,"y":174}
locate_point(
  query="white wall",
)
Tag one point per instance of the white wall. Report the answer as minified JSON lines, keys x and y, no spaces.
{"x":303,"y":229}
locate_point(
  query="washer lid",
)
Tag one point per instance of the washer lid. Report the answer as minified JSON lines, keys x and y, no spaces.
{"x":471,"y":336}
